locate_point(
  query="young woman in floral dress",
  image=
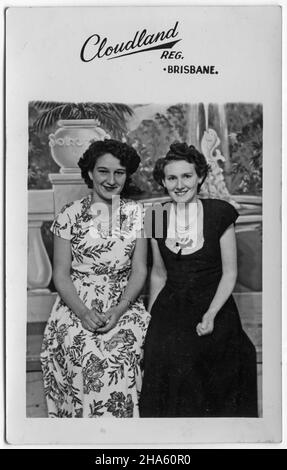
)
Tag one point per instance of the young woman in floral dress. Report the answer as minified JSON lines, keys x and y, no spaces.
{"x":92,"y":348}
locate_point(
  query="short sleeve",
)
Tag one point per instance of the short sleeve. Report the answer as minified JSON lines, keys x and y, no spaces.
{"x":63,"y":223}
{"x":228,"y":216}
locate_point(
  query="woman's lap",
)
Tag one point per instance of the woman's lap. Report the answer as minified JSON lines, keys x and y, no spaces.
{"x":94,"y":369}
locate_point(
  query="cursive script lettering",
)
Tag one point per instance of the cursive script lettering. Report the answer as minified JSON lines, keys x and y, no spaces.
{"x":96,"y":47}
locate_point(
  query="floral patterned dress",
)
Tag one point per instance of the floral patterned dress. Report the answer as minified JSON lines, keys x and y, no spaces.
{"x":89,"y":374}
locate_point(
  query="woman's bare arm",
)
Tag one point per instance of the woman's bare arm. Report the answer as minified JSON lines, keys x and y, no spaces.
{"x":135,"y":284}
{"x":158,"y":274}
{"x":65,"y":287}
{"x":227,"y":281}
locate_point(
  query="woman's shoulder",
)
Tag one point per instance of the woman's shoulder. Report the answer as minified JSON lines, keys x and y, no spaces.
{"x":218,"y":204}
{"x":220,"y":212}
{"x":76,"y":206}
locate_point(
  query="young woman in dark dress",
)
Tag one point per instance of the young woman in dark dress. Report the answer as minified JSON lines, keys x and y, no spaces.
{"x":198,"y":361}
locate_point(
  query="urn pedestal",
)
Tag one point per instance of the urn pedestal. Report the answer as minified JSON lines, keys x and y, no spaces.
{"x":67,"y":146}
{"x":71,"y":140}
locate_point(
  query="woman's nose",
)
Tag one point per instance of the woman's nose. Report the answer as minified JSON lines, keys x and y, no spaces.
{"x":111,"y":179}
{"x":179,"y":184}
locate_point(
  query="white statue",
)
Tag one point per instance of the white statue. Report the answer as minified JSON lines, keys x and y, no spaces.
{"x":214,"y":186}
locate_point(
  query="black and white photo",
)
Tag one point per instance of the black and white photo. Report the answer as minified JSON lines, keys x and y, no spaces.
{"x":145,"y":157}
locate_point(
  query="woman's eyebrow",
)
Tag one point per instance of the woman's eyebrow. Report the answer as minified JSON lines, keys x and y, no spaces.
{"x":106,"y":168}
{"x":182,"y":174}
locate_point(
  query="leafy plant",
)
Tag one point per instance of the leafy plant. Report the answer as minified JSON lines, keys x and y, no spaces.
{"x":245,"y":125}
{"x":111,"y":116}
{"x":152,"y":139}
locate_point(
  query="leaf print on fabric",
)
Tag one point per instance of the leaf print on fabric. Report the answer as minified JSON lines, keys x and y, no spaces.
{"x":74,"y":320}
{"x":125,"y":356}
{"x":134,"y":361}
{"x":77,"y":226}
{"x":98,"y":305}
{"x":61,"y":414}
{"x":85,"y":296}
{"x":119,"y":406}
{"x":123,"y":218}
{"x":79,"y":413}
{"x":101,"y":269}
{"x":98,"y":290}
{"x":95,"y":408}
{"x":62,"y":223}
{"x":136,"y":318}
{"x":92,"y":373}
{"x":61,"y":333}
{"x":95,"y":252}
{"x":86,"y":205}
{"x":71,"y":390}
{"x":117,"y":370}
{"x":66,"y":206}
{"x":57,"y":228}
{"x":123,"y":336}
{"x":129,"y":249}
{"x":59,"y":355}
{"x":45,"y":343}
{"x":75,"y":351}
{"x":57,"y":333}
{"x":53,"y":389}
{"x":60,"y":305}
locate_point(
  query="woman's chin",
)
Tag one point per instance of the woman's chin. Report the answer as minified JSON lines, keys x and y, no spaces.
{"x":185,"y":198}
{"x":109,"y":195}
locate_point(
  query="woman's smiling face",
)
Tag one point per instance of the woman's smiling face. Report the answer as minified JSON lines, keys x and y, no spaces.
{"x":108,"y":177}
{"x":181,"y":181}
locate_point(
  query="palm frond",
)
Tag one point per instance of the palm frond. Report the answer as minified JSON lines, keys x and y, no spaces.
{"x":48,"y":118}
{"x":46,"y":105}
{"x":111,"y":116}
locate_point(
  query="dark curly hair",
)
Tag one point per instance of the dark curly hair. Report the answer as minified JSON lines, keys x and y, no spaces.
{"x":181,"y":151}
{"x":127,"y":156}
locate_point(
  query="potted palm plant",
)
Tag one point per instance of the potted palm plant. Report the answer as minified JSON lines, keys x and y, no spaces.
{"x":79,"y":124}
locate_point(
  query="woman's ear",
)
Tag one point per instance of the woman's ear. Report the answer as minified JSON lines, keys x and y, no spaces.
{"x":90,"y":173}
{"x":163,"y":183}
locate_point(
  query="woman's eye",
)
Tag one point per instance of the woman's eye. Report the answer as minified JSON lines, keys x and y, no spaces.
{"x":120,"y":173}
{"x":188,"y":176}
{"x":171,"y":178}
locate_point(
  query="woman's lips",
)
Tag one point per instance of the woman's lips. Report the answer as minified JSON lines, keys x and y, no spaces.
{"x":181,"y":193}
{"x":108,"y":188}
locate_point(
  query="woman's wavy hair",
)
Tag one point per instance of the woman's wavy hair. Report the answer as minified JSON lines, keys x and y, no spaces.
{"x":127,"y":156}
{"x":181,"y":151}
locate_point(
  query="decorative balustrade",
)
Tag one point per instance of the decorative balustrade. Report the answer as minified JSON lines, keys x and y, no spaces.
{"x":41,"y":299}
{"x":41,"y":209}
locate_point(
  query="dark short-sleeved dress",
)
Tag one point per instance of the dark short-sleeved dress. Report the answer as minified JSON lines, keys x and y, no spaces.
{"x":186,"y":375}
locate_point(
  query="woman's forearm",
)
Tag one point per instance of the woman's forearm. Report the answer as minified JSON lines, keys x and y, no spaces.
{"x":156,"y":284}
{"x":133,"y":288}
{"x":68,"y":293}
{"x":223,"y":292}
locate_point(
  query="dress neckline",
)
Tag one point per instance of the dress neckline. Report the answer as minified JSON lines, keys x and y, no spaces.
{"x":203,"y":231}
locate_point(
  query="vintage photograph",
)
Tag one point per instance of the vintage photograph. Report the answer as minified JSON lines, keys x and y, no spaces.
{"x":150,"y":325}
{"x":143,"y":259}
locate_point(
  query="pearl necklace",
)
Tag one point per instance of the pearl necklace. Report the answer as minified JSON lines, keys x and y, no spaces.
{"x":184,"y":234}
